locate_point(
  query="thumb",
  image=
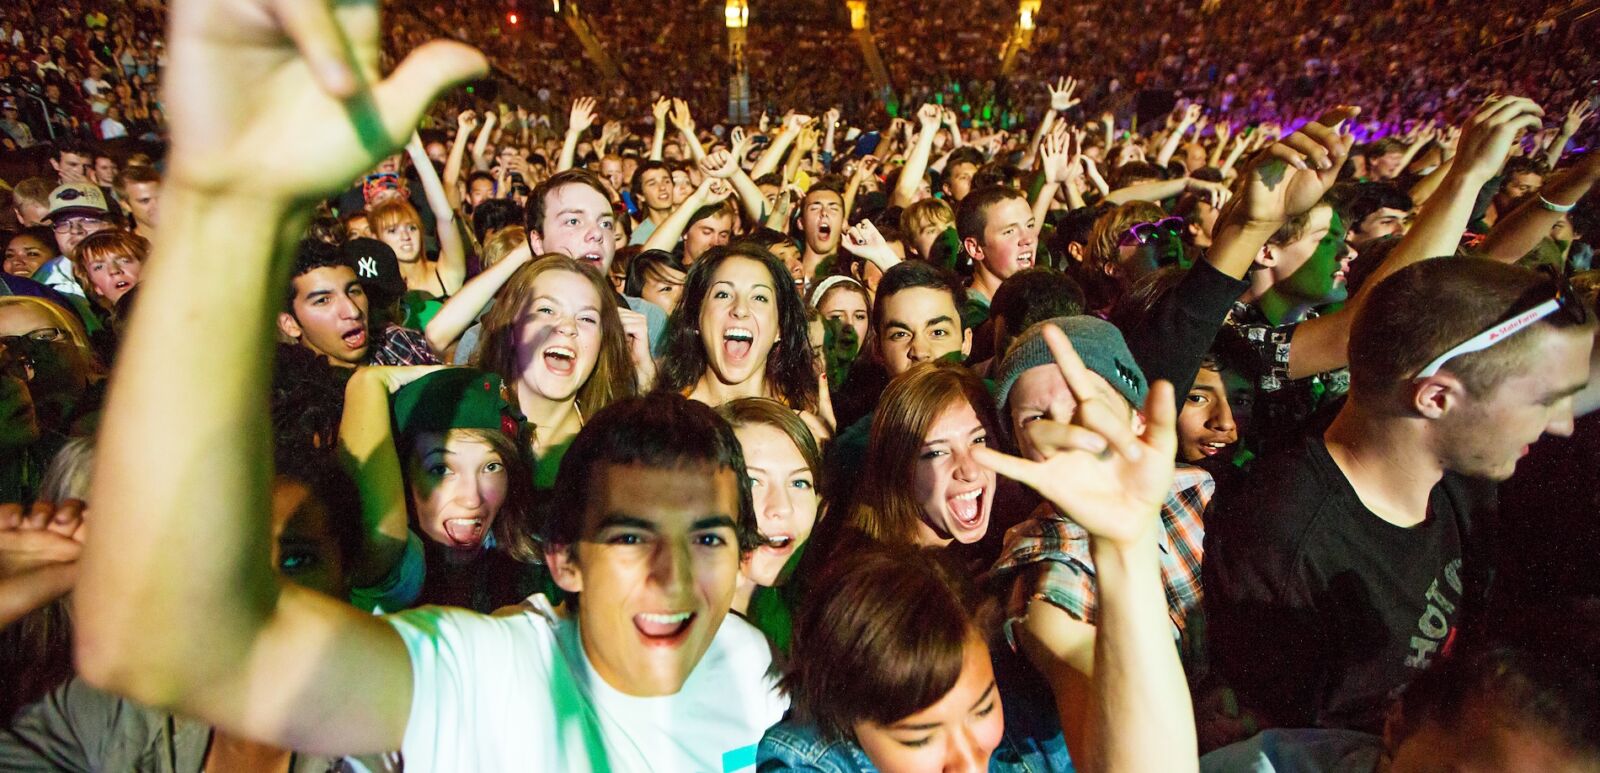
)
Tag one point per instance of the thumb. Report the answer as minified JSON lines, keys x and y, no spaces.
{"x":400,"y":99}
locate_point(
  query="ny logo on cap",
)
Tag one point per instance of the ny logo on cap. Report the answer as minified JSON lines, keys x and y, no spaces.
{"x":367,"y":268}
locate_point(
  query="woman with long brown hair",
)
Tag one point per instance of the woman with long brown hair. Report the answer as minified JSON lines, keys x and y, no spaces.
{"x":554,"y":336}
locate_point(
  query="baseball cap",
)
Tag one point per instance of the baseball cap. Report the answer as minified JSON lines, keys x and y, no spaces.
{"x":376,"y":268}
{"x":1098,"y":343}
{"x":453,"y":398}
{"x":77,"y":199}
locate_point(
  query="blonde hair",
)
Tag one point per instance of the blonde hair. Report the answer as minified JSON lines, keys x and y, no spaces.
{"x":503,"y":243}
{"x":66,"y":321}
{"x":925,"y":213}
{"x":1108,"y":228}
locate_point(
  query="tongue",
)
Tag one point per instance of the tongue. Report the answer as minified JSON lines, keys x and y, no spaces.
{"x":659,"y":630}
{"x":463,"y":531}
{"x":737,"y":350}
{"x":965,"y":510}
{"x":558,"y":363}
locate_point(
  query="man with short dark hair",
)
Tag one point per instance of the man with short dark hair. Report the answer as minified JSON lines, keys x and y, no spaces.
{"x":1349,"y":561}
{"x":139,"y":187}
{"x":327,"y":309}
{"x":1372,"y":211}
{"x":652,"y":194}
{"x":72,"y":161}
{"x":822,"y":224}
{"x":997,"y":229}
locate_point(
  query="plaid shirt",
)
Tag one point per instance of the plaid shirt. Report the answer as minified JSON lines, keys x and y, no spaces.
{"x":1047,"y":558}
{"x":402,"y":346}
{"x":1282,"y":403}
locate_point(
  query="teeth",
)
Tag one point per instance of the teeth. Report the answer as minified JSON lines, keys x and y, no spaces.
{"x":739,"y":334}
{"x":562,"y":352}
{"x":672,"y":619}
{"x":970,"y":495}
{"x":779,"y":541}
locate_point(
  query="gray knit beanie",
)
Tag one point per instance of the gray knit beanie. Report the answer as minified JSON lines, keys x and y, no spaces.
{"x":1096,"y":341}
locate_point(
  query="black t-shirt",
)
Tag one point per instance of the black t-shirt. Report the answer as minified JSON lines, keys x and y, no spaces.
{"x":1317,"y":609}
{"x":1174,"y":337}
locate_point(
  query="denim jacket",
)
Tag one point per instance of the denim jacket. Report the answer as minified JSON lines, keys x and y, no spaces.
{"x":792,"y":746}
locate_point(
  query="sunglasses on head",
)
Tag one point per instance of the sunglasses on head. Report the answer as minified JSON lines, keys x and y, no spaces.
{"x":1546,"y":299}
{"x":1144,"y":233}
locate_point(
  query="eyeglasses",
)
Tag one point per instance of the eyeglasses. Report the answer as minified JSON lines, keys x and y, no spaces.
{"x":1525,"y":312}
{"x":43,"y":335}
{"x":1144,"y":233}
{"x":79,"y":225}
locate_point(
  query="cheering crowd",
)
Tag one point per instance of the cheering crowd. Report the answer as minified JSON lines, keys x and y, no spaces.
{"x":377,"y":425}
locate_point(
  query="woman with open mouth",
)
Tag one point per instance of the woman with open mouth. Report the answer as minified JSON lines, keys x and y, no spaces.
{"x":921,"y":485}
{"x":555,"y":338}
{"x":444,"y":489}
{"x":740,"y":331}
{"x":785,"y":467}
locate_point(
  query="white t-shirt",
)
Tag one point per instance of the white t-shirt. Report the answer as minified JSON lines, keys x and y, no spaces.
{"x":516,"y":693}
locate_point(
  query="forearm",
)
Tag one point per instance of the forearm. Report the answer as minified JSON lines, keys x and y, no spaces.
{"x":1233,"y":158}
{"x":1558,"y":147}
{"x":366,"y":448}
{"x":1038,"y":137}
{"x":1143,"y":718}
{"x":768,"y":162}
{"x":696,"y":150}
{"x":666,"y":235}
{"x":197,"y":402}
{"x":1170,"y":146}
{"x":911,"y":176}
{"x":1155,"y":190}
{"x":452,"y":169}
{"x":751,"y":199}
{"x":1041,"y":204}
{"x":1235,"y":245}
{"x":1438,"y":227}
{"x":1516,"y":234}
{"x":569,"y":151}
{"x":1429,"y":184}
{"x":659,"y":143}
{"x":480,"y":147}
{"x":26,"y":592}
{"x":461,"y":311}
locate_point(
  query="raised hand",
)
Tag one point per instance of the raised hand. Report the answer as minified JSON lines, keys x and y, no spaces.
{"x":831,"y":117}
{"x":869,"y":165}
{"x":279,"y":99}
{"x":1488,"y":136}
{"x":721,"y":165}
{"x":864,"y":241}
{"x":717,"y":190}
{"x":929,"y":116}
{"x":1291,"y":176}
{"x":1191,"y":114}
{"x":1057,"y":155}
{"x":681,"y":117}
{"x":1061,"y":95}
{"x":1448,"y":140}
{"x":467,"y":121}
{"x":1096,"y":471}
{"x":950,"y":118}
{"x":795,"y":122}
{"x":582,"y":116}
{"x":62,"y":521}
{"x":660,"y":110}
{"x":1577,"y":113}
{"x":737,"y":139}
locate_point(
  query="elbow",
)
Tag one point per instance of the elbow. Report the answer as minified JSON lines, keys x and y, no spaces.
{"x":112,"y":664}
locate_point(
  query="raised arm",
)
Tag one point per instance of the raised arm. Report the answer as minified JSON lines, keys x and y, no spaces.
{"x":659,"y":112}
{"x":773,"y":155}
{"x":724,"y":165}
{"x":579,"y":121}
{"x":462,"y":309}
{"x":452,"y":265}
{"x":179,"y":606}
{"x":480,"y":146}
{"x":864,"y":241}
{"x":864,"y":169}
{"x":1191,"y":114}
{"x":465,"y":123}
{"x":684,"y":121}
{"x":1057,"y":160}
{"x":1516,"y":234}
{"x":1322,"y":343}
{"x":1113,"y":483}
{"x":917,"y":160}
{"x":1576,"y":115}
{"x":712,"y":190}
{"x":366,"y":447}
